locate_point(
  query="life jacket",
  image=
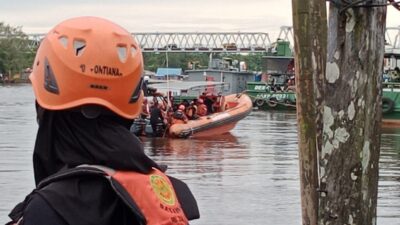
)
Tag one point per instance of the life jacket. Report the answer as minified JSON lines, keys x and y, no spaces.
{"x":202,"y":110}
{"x":151,"y":197}
{"x":154,"y":195}
{"x":219,"y":104}
{"x":190,"y":111}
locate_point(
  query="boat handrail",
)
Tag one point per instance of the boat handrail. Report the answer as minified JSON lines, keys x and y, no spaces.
{"x":391,"y":85}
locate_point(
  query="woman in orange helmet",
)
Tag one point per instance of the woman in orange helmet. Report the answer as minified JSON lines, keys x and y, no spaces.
{"x":87,"y":79}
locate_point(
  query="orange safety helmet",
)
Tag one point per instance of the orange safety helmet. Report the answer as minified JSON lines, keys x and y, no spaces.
{"x":86,"y":61}
{"x":181,"y":107}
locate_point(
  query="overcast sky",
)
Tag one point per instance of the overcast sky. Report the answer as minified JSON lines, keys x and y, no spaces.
{"x":159,"y":15}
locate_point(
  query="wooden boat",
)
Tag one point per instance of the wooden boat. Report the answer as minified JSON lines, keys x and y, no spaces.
{"x":238,"y":106}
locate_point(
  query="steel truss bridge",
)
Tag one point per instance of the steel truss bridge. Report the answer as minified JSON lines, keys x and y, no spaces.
{"x":198,"y":41}
{"x":392,"y":40}
{"x":230,"y":42}
{"x":203,"y":42}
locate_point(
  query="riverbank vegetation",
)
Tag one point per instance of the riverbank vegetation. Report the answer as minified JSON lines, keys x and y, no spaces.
{"x":197,"y":60}
{"x":15,"y":52}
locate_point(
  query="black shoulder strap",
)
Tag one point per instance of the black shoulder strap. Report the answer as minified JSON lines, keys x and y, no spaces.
{"x":16,"y":213}
{"x":91,"y":170}
{"x":69,"y":173}
{"x":185,"y":198}
{"x":184,"y":195}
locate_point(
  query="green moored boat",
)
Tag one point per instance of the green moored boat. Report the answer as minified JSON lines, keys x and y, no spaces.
{"x":391,"y":104}
{"x":391,"y":89}
{"x":276,"y":89}
{"x":276,"y":92}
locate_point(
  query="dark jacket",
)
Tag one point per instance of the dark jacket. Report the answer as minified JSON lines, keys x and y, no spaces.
{"x":66,"y":139}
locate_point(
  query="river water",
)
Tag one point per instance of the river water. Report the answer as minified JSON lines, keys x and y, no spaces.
{"x":249,"y":176}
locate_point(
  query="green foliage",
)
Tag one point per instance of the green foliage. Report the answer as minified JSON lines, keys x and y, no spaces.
{"x":15,"y":54}
{"x":253,"y":60}
{"x":153,"y":61}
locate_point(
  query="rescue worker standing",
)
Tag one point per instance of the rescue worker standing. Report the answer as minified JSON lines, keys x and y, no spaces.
{"x":156,"y":118}
{"x":145,"y":110}
{"x":87,"y":83}
{"x":180,"y":115}
{"x":191,"y":111}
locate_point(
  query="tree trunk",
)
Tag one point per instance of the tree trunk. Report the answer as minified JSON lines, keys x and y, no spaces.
{"x":309,"y":19}
{"x":352,"y":114}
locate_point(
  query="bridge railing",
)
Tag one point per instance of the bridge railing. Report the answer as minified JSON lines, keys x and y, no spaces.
{"x":194,"y":42}
{"x":392,"y":40}
{"x":203,"y":42}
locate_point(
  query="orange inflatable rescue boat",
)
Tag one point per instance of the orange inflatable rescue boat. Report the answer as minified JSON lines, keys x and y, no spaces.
{"x":237,"y":107}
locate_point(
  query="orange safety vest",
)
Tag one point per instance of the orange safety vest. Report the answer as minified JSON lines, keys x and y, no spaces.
{"x":202,"y":110}
{"x":154,"y":195}
{"x":177,"y":121}
{"x":151,"y":194}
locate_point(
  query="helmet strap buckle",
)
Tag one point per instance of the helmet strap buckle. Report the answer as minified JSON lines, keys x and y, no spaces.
{"x":91,"y":111}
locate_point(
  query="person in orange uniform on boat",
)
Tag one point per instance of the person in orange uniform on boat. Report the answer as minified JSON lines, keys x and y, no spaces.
{"x":191,"y":111}
{"x":145,"y":109}
{"x":219,"y":104}
{"x":88,"y":167}
{"x":179,"y":115}
{"x":143,"y":116}
{"x":201,"y":107}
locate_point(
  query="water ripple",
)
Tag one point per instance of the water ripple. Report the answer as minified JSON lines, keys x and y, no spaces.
{"x":249,"y":176}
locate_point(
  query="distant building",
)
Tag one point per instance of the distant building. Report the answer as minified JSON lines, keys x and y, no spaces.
{"x":224,"y":70}
{"x":236,"y":80}
{"x":149,"y":73}
{"x":169,"y":73}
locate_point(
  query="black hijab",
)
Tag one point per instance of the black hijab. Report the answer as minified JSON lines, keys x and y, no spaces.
{"x":66,"y":139}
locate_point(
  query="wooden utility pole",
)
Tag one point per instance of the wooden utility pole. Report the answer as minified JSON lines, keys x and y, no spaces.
{"x":349,"y":98}
{"x":310,"y":29}
{"x":352,"y":112}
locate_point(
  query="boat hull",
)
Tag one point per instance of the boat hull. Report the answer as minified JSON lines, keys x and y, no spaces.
{"x":239,"y":106}
{"x":391,"y":122}
{"x":264,"y":98}
{"x":391,"y":107}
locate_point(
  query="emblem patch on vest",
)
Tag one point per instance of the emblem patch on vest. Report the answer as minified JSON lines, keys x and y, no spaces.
{"x":162,"y":189}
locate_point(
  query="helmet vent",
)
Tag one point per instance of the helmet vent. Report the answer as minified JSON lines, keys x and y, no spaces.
{"x":63,"y":41}
{"x":133,"y":50}
{"x":136,"y":93}
{"x":98,"y":86}
{"x":50,"y":83}
{"x":122,"y":53}
{"x":79,"y":46}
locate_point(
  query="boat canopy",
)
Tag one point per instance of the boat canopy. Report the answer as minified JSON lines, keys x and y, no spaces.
{"x":191,"y":88}
{"x":162,"y":72}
